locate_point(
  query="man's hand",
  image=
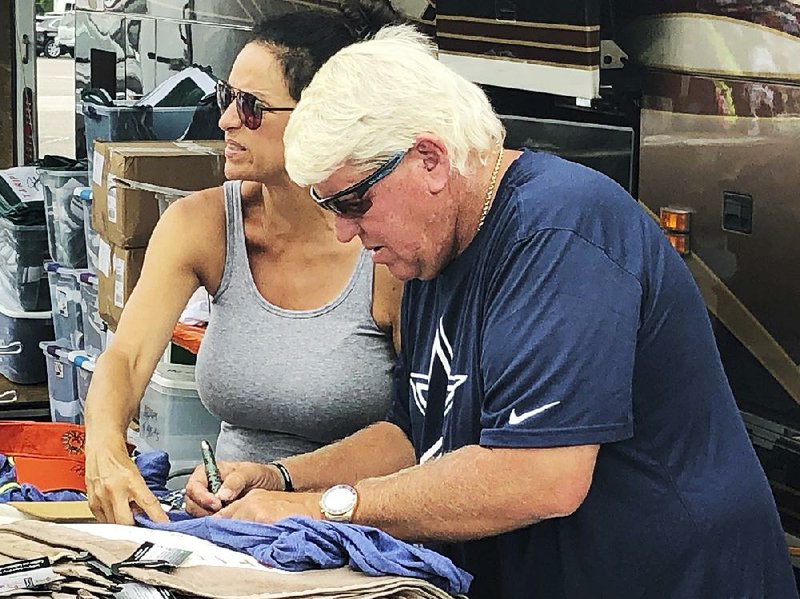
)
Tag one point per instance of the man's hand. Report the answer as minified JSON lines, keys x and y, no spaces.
{"x":267,"y":507}
{"x":115,"y":487}
{"x":238,"y":478}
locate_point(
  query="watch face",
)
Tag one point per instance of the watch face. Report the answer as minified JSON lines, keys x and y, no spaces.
{"x":339,"y":499}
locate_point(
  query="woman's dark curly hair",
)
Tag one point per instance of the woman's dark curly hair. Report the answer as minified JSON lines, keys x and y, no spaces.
{"x":305,"y":39}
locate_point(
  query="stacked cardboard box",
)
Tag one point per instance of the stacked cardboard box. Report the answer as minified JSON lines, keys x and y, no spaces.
{"x":125,"y":179}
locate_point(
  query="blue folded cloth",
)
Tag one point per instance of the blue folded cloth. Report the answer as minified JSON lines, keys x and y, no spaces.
{"x":154,"y":467}
{"x":304,"y":544}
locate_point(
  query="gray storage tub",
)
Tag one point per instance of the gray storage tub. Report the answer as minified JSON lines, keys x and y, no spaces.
{"x":64,"y":214}
{"x":172,"y":417}
{"x":84,"y":195}
{"x":84,"y":370}
{"x":94,"y":329}
{"x":126,"y":122}
{"x":61,"y":384}
{"x":23,"y":251}
{"x":65,"y":292}
{"x":21,"y":333}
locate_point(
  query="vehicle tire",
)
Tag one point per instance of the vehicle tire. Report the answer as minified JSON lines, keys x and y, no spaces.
{"x":52,"y":49}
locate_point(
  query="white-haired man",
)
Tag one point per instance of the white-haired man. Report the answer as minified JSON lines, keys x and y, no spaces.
{"x":561,"y":423}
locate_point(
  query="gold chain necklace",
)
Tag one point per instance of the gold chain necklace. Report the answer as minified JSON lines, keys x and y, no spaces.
{"x":490,"y":192}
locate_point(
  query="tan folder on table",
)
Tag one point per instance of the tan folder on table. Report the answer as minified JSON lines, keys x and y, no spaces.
{"x":55,"y":511}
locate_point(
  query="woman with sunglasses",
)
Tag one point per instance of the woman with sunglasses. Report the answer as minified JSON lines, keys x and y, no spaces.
{"x":299,"y":348}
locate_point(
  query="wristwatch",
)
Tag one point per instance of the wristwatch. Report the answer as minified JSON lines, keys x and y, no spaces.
{"x":338,"y":503}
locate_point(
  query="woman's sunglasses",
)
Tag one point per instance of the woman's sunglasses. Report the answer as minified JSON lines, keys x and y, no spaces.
{"x":249,"y":108}
{"x":351,"y":202}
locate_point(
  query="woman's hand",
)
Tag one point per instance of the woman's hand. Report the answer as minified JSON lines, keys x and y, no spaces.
{"x":238,"y":479}
{"x":116,"y":488}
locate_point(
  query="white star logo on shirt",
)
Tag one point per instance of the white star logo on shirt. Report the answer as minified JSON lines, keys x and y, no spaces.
{"x":440,"y":350}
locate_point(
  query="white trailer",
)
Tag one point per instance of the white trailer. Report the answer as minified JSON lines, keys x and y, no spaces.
{"x":62,"y":6}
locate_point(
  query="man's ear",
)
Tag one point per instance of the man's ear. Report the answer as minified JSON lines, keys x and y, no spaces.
{"x":435,"y":160}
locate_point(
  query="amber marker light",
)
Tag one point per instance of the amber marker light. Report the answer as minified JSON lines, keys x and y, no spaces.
{"x":677,"y":226}
{"x":676,"y":220}
{"x":681,"y":243}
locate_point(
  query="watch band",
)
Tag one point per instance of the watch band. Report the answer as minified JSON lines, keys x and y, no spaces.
{"x":287,"y":479}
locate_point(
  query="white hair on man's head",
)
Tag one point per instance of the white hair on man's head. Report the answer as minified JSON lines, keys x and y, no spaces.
{"x":373,"y":98}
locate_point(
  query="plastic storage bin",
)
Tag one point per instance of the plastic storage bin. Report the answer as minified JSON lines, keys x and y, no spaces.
{"x":61,"y":384}
{"x":94,"y":329}
{"x":84,"y":369}
{"x":126,"y":122}
{"x":171,"y":122}
{"x":171,"y":416}
{"x":123,"y":122}
{"x":84,"y":196}
{"x":64,"y":215}
{"x":23,"y":252}
{"x":20,"y":335}
{"x":65,"y":294}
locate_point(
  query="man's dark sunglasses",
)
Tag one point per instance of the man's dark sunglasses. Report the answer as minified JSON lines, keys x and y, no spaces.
{"x":248,"y":107}
{"x":351,"y":201}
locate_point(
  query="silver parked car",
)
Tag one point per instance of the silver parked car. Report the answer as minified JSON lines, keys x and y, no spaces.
{"x":66,"y":33}
{"x":46,"y":34}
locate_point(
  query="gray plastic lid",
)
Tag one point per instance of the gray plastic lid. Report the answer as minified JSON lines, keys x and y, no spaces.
{"x":83,"y":193}
{"x":175,"y":376}
{"x":54,"y":349}
{"x":82,"y":360}
{"x":12,"y":309}
{"x":65,"y":270}
{"x":88,"y":278}
{"x":62,"y":174}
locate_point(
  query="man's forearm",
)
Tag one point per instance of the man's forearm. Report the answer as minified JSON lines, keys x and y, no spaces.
{"x":375,"y":451}
{"x":476,"y":492}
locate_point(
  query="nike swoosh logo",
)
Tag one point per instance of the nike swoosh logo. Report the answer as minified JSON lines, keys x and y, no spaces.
{"x":515,"y":418}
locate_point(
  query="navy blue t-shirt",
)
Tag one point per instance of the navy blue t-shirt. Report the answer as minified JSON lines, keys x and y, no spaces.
{"x":569,"y":320}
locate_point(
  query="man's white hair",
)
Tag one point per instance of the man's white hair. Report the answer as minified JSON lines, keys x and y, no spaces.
{"x":373,"y":98}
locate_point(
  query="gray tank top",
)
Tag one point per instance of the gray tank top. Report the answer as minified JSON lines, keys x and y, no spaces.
{"x":285,"y":382}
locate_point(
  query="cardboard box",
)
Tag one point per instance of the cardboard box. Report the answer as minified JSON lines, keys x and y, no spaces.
{"x":118,"y":272}
{"x":124,"y":174}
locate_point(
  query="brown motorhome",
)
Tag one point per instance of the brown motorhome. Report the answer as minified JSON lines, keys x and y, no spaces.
{"x":693,"y":105}
{"x":720,"y":135}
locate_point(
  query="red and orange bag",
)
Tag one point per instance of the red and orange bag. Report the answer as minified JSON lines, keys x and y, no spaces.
{"x":47,"y":455}
{"x":188,"y":336}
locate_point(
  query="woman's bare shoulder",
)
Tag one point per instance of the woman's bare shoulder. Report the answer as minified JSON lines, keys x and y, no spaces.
{"x":191,"y":235}
{"x":205,"y":202}
{"x":195,"y":220}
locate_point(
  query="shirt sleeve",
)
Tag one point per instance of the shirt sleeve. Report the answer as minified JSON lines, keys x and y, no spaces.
{"x":558,"y":345}
{"x":398,"y":410}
